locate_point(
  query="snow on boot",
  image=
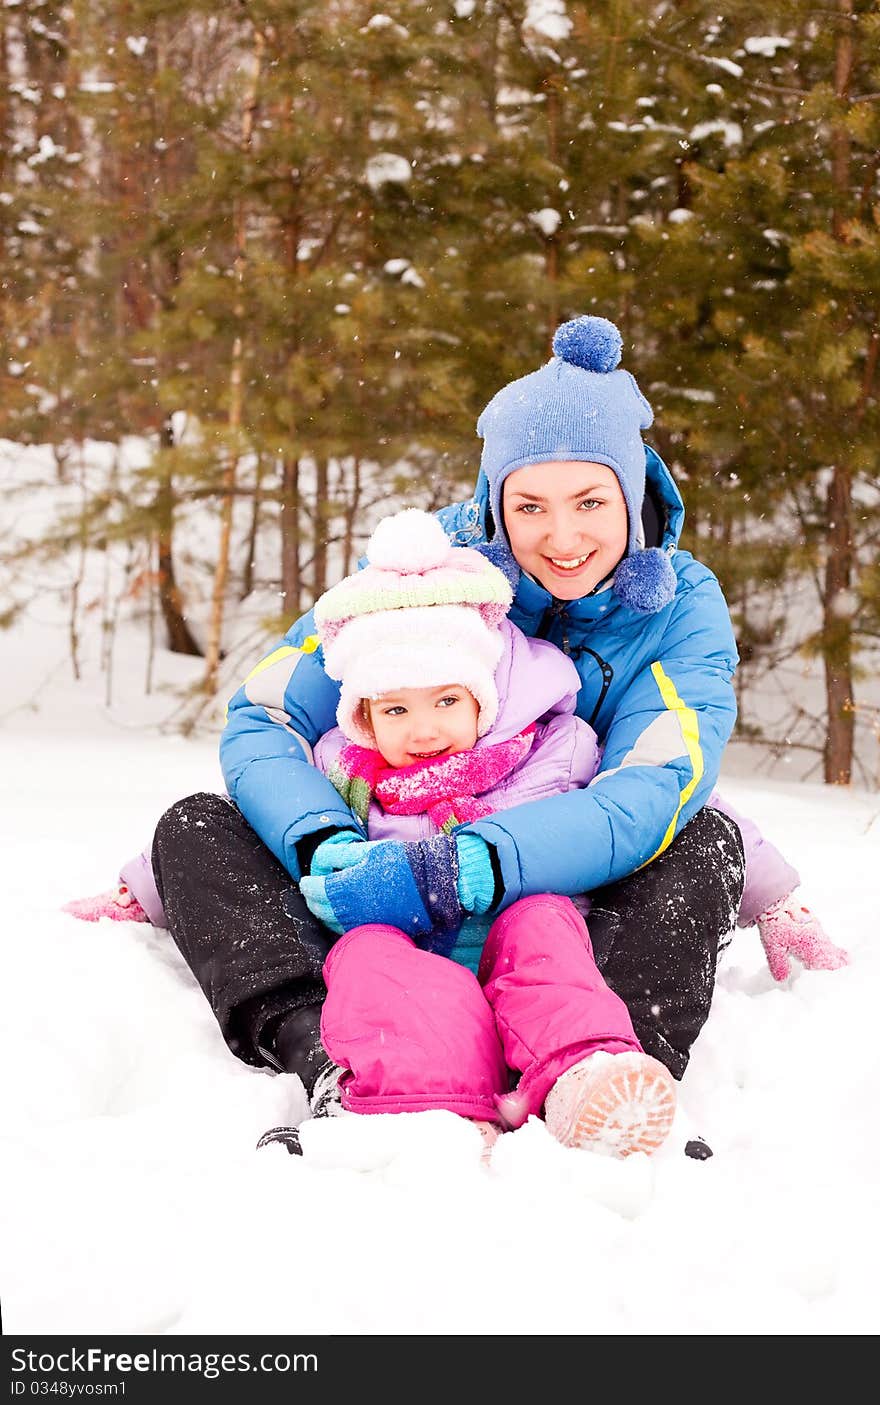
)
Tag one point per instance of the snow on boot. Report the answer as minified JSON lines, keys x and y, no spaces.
{"x":324,"y":1101}
{"x":286,"y":1136}
{"x":119,"y":904}
{"x":613,"y":1103}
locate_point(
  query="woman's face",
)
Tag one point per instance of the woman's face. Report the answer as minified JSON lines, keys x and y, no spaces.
{"x":566,"y":523}
{"x":423,"y":724}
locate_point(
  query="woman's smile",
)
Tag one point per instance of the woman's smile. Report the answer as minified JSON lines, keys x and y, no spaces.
{"x":569,"y":566}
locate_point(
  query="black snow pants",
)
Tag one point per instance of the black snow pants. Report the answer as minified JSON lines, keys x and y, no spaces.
{"x":241,"y":925}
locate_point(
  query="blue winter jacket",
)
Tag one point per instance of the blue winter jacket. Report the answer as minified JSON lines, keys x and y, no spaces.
{"x":656,"y":688}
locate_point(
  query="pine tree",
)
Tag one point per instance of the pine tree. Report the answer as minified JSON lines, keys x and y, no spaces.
{"x":146,"y":103}
{"x":423,"y":193}
{"x":782,"y":259}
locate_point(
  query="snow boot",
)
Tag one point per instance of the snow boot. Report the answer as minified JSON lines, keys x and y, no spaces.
{"x":613,"y":1103}
{"x":297,"y":1045}
{"x":324,"y":1101}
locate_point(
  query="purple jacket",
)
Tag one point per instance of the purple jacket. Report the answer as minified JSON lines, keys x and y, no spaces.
{"x":536,"y":683}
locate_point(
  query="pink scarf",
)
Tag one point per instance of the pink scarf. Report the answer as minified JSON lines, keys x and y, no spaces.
{"x":447,"y":791}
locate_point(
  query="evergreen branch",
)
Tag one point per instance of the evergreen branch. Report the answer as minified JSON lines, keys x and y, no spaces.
{"x":870,"y":375}
{"x":779,"y":747}
{"x":328,"y":241}
{"x":714,"y":63}
{"x":778,"y":88}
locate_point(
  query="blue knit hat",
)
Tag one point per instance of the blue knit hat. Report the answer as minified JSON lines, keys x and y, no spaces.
{"x":580,"y":407}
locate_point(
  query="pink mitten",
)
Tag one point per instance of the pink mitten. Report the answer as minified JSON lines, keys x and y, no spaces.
{"x":788,"y":929}
{"x":119,"y":904}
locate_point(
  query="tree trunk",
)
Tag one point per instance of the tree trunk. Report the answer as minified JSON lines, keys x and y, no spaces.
{"x":291,"y":529}
{"x":836,"y":600}
{"x":322,"y":513}
{"x":291,"y":582}
{"x":551,"y":255}
{"x":247,"y":575}
{"x":221,"y":572}
{"x":837,"y":632}
{"x":180,"y":640}
{"x":352,"y":509}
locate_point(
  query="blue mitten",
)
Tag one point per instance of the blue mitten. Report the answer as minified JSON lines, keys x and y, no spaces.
{"x":314,"y":890}
{"x":409,"y":886}
{"x":476,"y":878}
{"x":422,"y":888}
{"x":341,"y":850}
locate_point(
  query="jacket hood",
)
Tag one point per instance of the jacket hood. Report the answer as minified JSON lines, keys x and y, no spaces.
{"x":534,"y":679}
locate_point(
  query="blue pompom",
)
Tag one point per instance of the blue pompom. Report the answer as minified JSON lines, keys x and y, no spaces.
{"x":646,"y":581}
{"x":593,"y":343}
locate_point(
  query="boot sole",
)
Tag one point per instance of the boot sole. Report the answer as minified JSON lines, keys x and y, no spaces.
{"x":624,"y":1109}
{"x":287,"y":1136}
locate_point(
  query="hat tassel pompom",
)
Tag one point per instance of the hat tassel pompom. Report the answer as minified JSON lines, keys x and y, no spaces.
{"x":593,"y":343}
{"x":410,"y":541}
{"x":646,"y":581}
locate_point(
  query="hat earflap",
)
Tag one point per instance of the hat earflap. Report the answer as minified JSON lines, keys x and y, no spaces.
{"x":499,"y":554}
{"x":645,"y":581}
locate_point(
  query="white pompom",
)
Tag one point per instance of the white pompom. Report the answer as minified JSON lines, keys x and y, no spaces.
{"x":409,"y":541}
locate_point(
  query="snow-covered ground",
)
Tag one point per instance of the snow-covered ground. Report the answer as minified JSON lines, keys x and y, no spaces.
{"x":135,"y":1199}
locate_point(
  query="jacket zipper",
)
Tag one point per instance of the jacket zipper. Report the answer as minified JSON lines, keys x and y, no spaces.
{"x":556,"y":612}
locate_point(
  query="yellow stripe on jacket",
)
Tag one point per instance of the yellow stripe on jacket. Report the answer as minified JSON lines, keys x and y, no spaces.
{"x":308,"y":646}
{"x":690,"y":731}
{"x":271,"y":693}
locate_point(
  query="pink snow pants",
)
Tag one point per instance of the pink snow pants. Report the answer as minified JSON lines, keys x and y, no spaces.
{"x":417,"y":1031}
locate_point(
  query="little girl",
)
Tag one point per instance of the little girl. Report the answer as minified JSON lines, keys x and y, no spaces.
{"x":448,"y":713}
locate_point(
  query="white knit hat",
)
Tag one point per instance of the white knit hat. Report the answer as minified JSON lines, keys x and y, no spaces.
{"x":422,"y":613}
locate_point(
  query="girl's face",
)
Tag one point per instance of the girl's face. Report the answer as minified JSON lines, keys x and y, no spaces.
{"x":423,"y":724}
{"x":566,"y":523}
